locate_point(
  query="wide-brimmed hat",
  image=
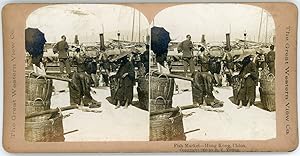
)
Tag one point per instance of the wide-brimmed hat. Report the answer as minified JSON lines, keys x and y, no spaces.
{"x":121,"y":55}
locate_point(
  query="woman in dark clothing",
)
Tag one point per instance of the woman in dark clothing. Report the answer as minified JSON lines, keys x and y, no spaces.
{"x":248,"y":76}
{"x":126,"y":79}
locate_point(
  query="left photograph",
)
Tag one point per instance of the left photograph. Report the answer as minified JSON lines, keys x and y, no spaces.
{"x":86,"y":76}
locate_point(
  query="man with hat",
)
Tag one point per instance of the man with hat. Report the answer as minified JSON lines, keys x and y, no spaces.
{"x":80,"y":86}
{"x":63,"y":55}
{"x":186,"y":47}
{"x":126,"y":80}
{"x":270,"y":59}
{"x":249,"y":77}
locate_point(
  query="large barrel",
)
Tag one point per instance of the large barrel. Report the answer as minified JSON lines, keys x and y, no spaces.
{"x":143,"y":92}
{"x":44,"y":130}
{"x":161,"y":86}
{"x":267,"y":92}
{"x":167,"y":127}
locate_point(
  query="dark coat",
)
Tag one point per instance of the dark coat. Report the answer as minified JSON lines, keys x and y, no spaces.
{"x":62,"y":48}
{"x":248,"y":84}
{"x":186,"y":47}
{"x":125,"y":89}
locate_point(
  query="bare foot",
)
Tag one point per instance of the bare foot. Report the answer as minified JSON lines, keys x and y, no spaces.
{"x":118,"y":106}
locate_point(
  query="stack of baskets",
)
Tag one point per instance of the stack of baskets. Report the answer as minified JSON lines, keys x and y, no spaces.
{"x":267,"y":90}
{"x":166,"y":126}
{"x":45,"y":128}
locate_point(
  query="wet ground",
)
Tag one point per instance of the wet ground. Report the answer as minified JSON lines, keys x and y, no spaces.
{"x":111,"y":124}
{"x":132,"y":124}
{"x":232,"y":124}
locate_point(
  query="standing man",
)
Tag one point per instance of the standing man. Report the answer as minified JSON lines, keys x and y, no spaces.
{"x":186,"y":47}
{"x":63,"y":55}
{"x":270,"y":59}
{"x":126,"y":79}
{"x":80,"y":85}
{"x":249,"y":77}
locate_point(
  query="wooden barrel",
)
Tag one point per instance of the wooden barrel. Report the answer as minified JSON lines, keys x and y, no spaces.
{"x":160,"y":103}
{"x":167,"y":127}
{"x":161,"y":86}
{"x":44,"y":130}
{"x":38,"y":88}
{"x":143,"y":92}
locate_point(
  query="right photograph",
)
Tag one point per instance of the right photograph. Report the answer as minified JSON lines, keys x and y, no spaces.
{"x":212,"y":73}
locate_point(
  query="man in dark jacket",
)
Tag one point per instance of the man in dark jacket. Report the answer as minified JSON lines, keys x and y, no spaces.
{"x":186,"y":47}
{"x":63,"y":55}
{"x":126,"y":81}
{"x":202,"y":90}
{"x":80,"y":85}
{"x":248,"y":76}
{"x":270,"y":59}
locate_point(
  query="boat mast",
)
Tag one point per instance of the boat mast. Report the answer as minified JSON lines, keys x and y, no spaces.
{"x":266,"y":39}
{"x":262,"y":11}
{"x":132,"y":32}
{"x":139,"y":27}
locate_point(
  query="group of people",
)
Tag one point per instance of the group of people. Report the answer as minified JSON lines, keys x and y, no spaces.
{"x":209,"y":73}
{"x":82,"y":79}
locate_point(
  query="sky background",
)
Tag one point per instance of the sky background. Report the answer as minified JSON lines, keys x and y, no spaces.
{"x":214,"y":20}
{"x":87,"y":21}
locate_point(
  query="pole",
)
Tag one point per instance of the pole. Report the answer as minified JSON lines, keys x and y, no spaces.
{"x":175,"y":76}
{"x":132,"y":32}
{"x":262,"y":11}
{"x":173,"y":110}
{"x":51,"y":77}
{"x":139,"y":27}
{"x":266,"y":39}
{"x":51,"y":111}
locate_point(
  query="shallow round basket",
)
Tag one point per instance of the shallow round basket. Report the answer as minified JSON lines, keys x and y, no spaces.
{"x":49,"y":130}
{"x":161,"y":86}
{"x":167,"y":127}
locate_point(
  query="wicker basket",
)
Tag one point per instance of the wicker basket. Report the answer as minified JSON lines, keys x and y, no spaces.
{"x":161,"y":86}
{"x":267,"y":99}
{"x":143,"y":92}
{"x":167,"y":127}
{"x":113,"y":84}
{"x":38,"y":87}
{"x":267,"y":91}
{"x":36,"y":106}
{"x":49,"y":130}
{"x":160,"y":103}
